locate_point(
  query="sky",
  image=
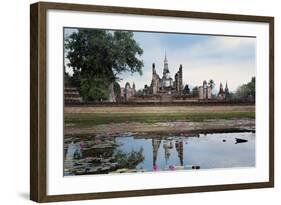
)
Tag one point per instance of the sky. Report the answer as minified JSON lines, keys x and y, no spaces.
{"x":203,"y":57}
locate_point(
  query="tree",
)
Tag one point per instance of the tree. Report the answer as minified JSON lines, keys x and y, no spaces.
{"x":211,"y":84}
{"x":140,"y":93}
{"x":195,"y":92}
{"x":242,"y":92}
{"x":252,"y":87}
{"x":117,"y":89}
{"x":94,"y":90}
{"x":67,"y":78}
{"x":247,"y":91}
{"x":98,"y":57}
{"x":186,"y":89}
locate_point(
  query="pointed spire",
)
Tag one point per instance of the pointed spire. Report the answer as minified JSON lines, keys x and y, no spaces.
{"x":166,"y":67}
{"x":226,"y":88}
{"x":153,"y":69}
{"x":180,"y":69}
{"x":221,"y":89}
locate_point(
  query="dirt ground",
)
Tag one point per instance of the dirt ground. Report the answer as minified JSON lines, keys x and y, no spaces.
{"x":161,"y":109}
{"x":160,"y":128}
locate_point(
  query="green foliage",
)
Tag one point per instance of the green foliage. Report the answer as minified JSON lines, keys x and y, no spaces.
{"x":186,"y":89}
{"x":211,"y":83}
{"x":124,"y":50}
{"x":252,"y":87}
{"x":140,"y":93}
{"x":195,"y":92}
{"x":82,"y":120}
{"x":130,"y":159}
{"x":246,"y":91}
{"x":97,"y":57}
{"x":94,"y":90}
{"x":67,"y":78}
{"x":117,"y":89}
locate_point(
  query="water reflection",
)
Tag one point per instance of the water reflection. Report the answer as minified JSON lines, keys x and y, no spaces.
{"x":132,"y":153}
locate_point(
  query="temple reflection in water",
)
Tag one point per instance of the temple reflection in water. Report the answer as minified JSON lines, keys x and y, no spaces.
{"x":131,"y":154}
{"x":168,"y":147}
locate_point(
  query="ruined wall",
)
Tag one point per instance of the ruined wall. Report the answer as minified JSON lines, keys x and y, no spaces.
{"x":160,"y":98}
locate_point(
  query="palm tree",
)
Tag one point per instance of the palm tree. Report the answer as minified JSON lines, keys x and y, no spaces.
{"x":211,"y":83}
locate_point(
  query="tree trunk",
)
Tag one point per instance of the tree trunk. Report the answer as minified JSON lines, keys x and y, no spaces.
{"x":111,"y":97}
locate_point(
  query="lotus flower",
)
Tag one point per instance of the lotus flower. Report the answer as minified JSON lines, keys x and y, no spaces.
{"x":82,"y":144}
{"x":172,"y":167}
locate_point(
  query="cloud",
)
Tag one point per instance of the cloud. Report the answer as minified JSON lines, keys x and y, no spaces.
{"x":220,"y":58}
{"x":195,"y":74}
{"x":204,"y":57}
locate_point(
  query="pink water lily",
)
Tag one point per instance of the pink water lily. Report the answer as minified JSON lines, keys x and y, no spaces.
{"x":82,"y":144}
{"x":172,"y":167}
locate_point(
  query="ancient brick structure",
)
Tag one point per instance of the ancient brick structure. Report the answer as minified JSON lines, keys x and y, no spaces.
{"x":71,"y":95}
{"x":165,"y":85}
{"x":223,"y":93}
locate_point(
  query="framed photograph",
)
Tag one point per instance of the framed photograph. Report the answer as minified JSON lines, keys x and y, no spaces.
{"x":135,"y":102}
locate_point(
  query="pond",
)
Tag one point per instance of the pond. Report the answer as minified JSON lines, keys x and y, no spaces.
{"x":128,"y":153}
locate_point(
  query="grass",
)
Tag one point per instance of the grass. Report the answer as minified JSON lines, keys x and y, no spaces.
{"x":91,"y":119}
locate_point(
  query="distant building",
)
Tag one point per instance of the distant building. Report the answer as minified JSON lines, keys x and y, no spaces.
{"x":178,"y":81}
{"x":165,"y":85}
{"x":205,"y":91}
{"x":71,"y":95}
{"x":167,"y":89}
{"x":226,"y":91}
{"x":223,"y":93}
{"x":128,"y":92}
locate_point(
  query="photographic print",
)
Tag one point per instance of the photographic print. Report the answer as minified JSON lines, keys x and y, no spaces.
{"x":136,"y":102}
{"x":140,"y":101}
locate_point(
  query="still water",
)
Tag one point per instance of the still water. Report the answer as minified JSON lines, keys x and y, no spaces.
{"x":131,"y":153}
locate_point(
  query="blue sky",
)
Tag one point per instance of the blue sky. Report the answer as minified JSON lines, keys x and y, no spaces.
{"x":203,"y":57}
